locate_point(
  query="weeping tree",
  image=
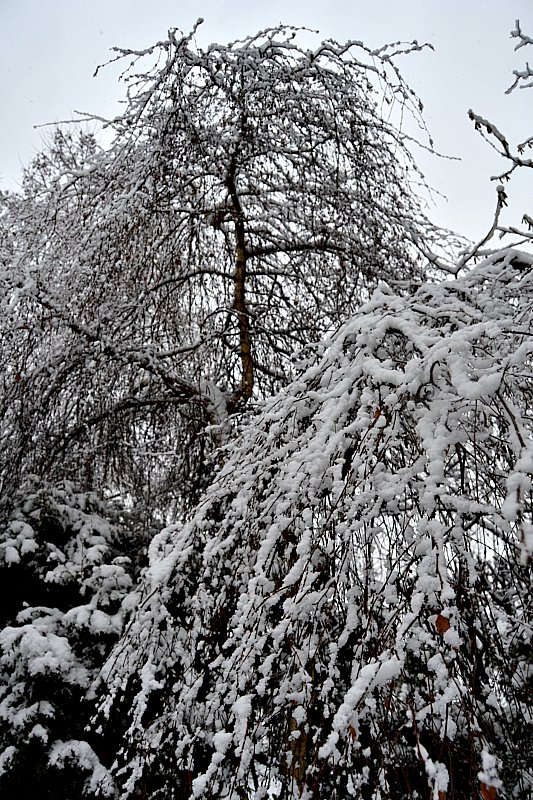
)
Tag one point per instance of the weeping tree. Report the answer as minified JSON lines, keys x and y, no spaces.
{"x":253,"y":195}
{"x":152,"y":293}
{"x":348,"y":612}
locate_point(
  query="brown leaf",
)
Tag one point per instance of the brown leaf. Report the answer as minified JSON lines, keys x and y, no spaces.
{"x":442,"y":624}
{"x":442,"y":795}
{"x":488,"y":792}
{"x":352,"y":732}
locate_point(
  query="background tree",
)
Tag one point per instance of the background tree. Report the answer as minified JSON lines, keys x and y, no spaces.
{"x":253,"y":196}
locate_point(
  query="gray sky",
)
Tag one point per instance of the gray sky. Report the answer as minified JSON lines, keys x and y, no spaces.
{"x":50,"y":48}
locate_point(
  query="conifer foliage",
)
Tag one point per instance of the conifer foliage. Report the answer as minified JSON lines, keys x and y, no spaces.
{"x":64,"y":576}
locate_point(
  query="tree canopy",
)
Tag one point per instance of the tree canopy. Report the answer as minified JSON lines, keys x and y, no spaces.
{"x":253,"y":196}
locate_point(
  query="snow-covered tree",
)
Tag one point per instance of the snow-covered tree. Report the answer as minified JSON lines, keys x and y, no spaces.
{"x":64,"y":577}
{"x":348,"y":613}
{"x":253,"y":196}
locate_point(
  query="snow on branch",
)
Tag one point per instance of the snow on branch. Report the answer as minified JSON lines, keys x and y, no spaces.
{"x":522,"y":77}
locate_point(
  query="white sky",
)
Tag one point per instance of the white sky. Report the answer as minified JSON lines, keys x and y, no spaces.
{"x":49,"y":50}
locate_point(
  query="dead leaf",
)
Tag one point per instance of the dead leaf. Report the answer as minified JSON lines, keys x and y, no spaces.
{"x":488,"y":792}
{"x":442,"y":624}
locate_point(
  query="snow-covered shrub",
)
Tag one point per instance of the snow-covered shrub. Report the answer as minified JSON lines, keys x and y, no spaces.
{"x":348,"y":613}
{"x":63,"y":578}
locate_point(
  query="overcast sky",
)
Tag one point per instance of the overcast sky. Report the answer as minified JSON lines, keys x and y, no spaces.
{"x":50,"y":49}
